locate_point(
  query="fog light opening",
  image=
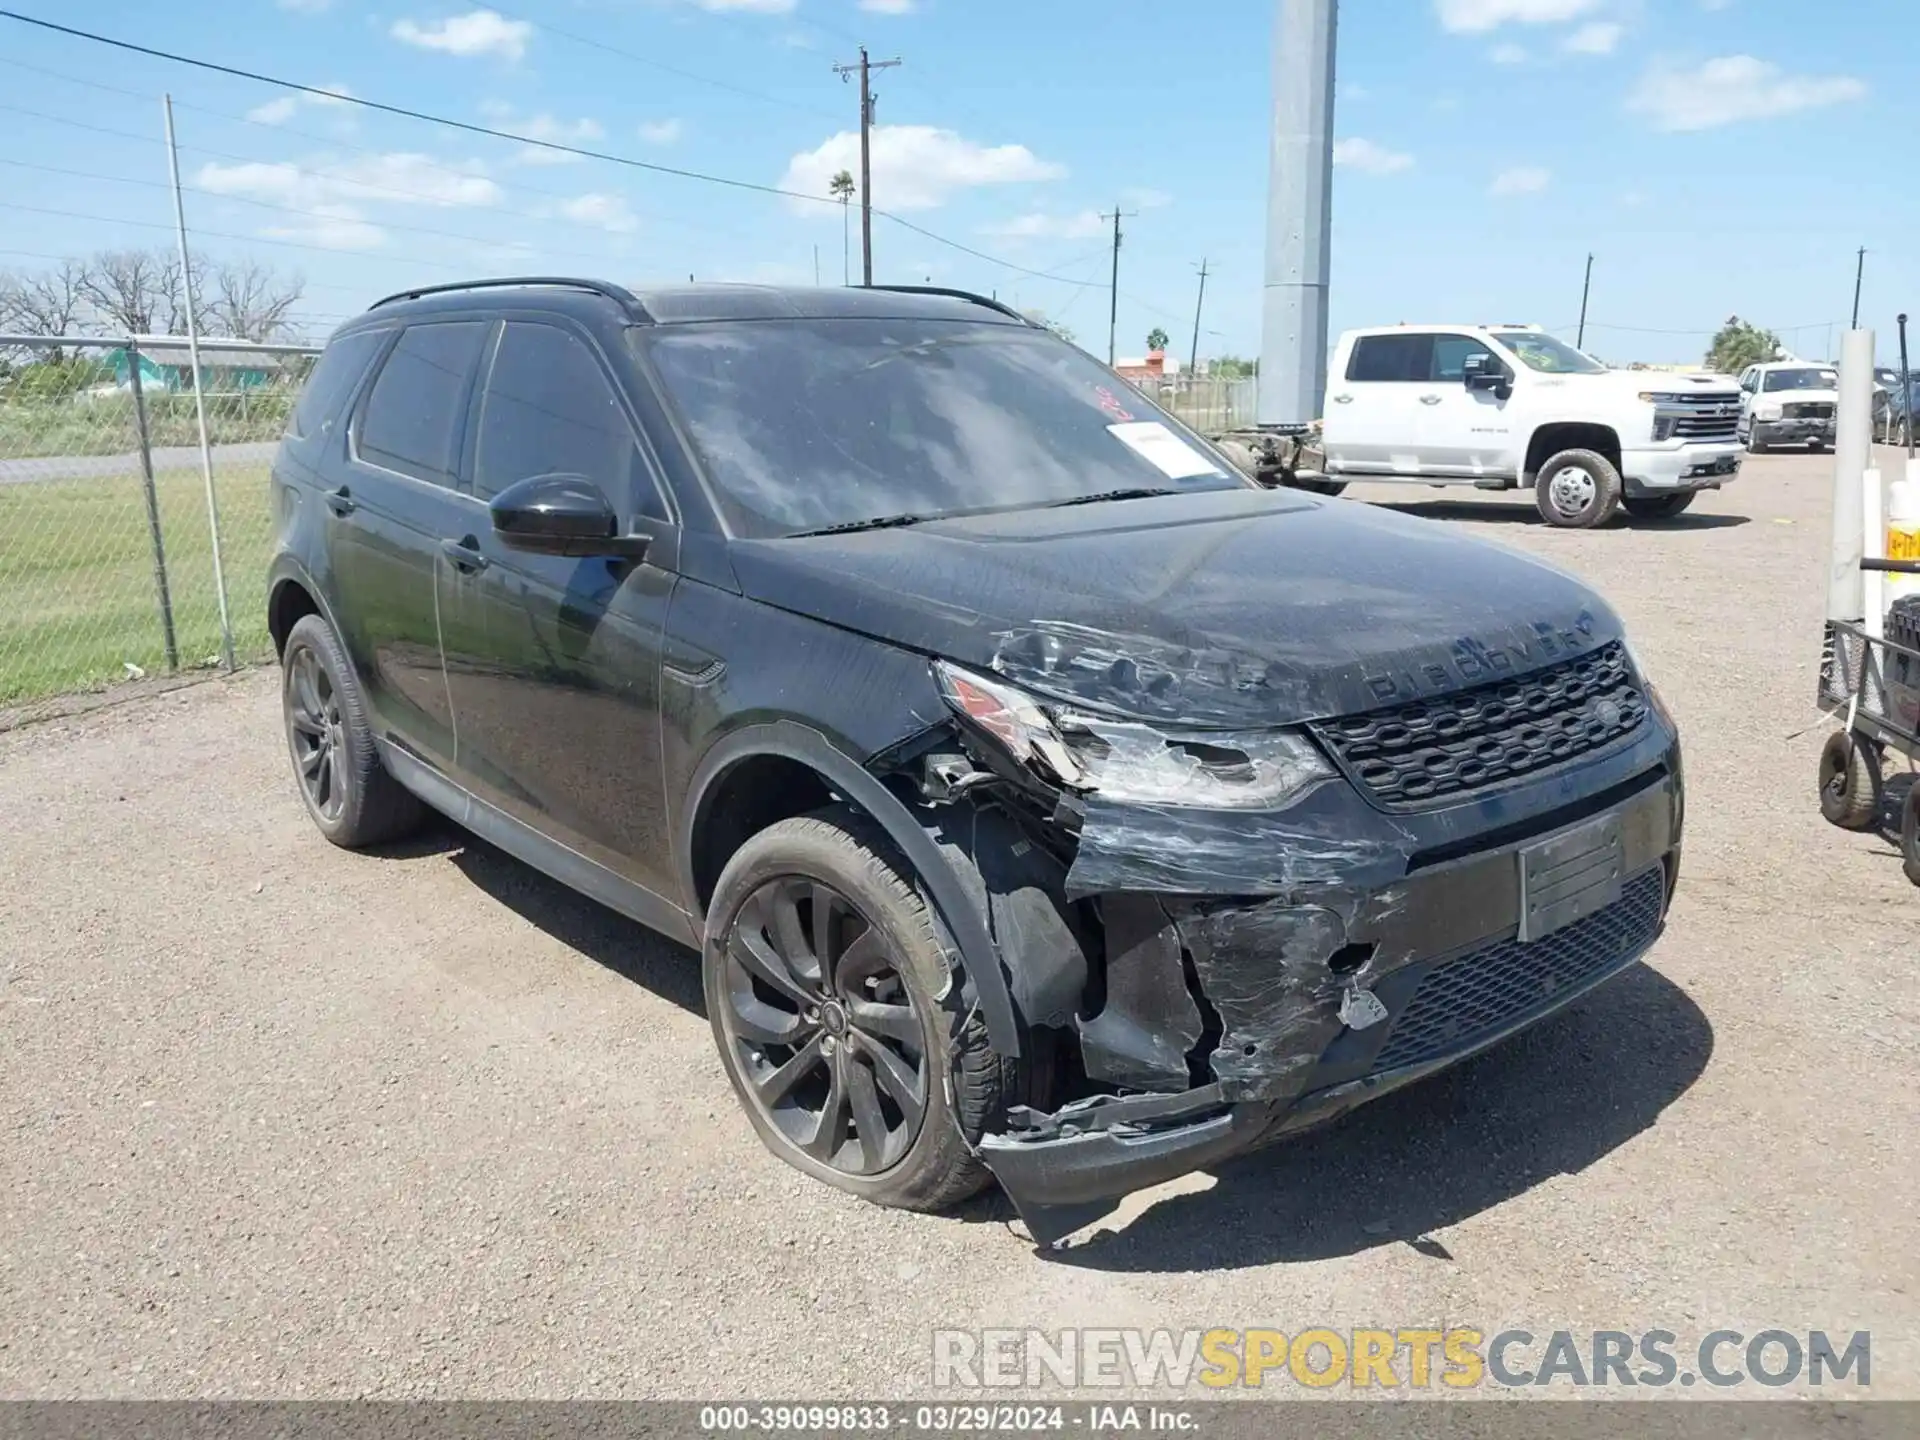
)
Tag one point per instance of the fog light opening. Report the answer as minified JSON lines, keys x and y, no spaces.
{"x":1349,"y":958}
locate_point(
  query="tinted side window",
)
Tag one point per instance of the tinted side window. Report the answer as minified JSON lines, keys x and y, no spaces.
{"x":1450,"y":354}
{"x":411,"y":422}
{"x":1391,"y":357}
{"x":332,"y":380}
{"x":550,"y":409}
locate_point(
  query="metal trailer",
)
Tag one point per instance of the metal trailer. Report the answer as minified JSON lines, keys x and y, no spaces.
{"x":1871,"y":683}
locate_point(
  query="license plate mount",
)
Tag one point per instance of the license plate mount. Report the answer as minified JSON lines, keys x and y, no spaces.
{"x":1570,"y":875}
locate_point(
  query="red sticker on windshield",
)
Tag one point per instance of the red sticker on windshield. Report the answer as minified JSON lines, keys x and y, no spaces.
{"x":1110,"y":403}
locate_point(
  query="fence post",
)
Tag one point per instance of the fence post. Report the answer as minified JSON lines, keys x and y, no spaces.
{"x":153,"y":506}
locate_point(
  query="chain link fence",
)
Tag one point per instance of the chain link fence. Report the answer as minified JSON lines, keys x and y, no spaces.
{"x":112,"y":511}
{"x":1209,"y":403}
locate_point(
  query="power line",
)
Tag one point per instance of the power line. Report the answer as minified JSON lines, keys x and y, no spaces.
{"x":559,"y":147}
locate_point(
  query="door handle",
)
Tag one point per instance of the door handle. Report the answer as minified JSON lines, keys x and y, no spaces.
{"x":464,"y":555}
{"x":1429,"y":399}
{"x":1343,"y":399}
{"x":341,"y":501}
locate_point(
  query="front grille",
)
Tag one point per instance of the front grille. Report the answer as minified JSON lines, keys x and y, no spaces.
{"x":1465,"y":1000}
{"x":1703,"y":417}
{"x":1416,"y":755}
{"x":1808,"y":410}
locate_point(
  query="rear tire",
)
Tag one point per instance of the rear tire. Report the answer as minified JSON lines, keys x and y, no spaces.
{"x":1910,"y":834}
{"x":348,"y":792}
{"x":1577,"y":489}
{"x":1659,"y":507}
{"x":888,"y":1082}
{"x":1850,"y":783}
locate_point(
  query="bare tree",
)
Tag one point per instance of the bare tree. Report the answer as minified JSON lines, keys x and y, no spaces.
{"x":250,"y":301}
{"x":48,"y":303}
{"x":137,"y":291}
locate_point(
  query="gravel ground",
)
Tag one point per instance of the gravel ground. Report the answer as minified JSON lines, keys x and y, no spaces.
{"x":277,"y":1120}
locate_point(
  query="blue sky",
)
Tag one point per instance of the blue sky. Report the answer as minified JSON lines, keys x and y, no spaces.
{"x":1718,"y":156}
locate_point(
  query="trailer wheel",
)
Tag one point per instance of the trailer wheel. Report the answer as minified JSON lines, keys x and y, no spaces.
{"x":1850,"y":785}
{"x":1910,"y":834}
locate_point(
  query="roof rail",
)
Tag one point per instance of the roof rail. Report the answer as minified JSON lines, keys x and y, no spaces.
{"x":1002,"y":307}
{"x":616,"y":293}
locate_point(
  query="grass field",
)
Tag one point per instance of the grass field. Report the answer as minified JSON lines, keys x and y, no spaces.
{"x":78,"y":597}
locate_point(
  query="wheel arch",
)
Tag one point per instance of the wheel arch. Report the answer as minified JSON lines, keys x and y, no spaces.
{"x":808,"y":769}
{"x":291,"y":597}
{"x":1551,"y":438}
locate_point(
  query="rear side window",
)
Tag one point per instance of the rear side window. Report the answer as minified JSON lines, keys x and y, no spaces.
{"x":550,"y":410}
{"x":1404,"y":358}
{"x":332,"y":380}
{"x":412,"y":419}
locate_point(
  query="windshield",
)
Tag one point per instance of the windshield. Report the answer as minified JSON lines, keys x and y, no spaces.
{"x":806,"y":424}
{"x":1540,"y":351}
{"x":1808,"y":379}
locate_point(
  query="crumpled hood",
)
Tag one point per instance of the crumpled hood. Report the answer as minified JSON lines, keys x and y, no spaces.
{"x":1233,"y":608}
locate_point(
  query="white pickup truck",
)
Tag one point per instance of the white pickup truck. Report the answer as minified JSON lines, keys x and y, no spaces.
{"x":1500,"y":407}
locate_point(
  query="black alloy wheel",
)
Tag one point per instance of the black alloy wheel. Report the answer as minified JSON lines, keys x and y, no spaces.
{"x":823,"y":1028}
{"x":316,"y":732}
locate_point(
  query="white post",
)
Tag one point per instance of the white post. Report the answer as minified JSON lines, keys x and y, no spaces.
{"x":199,"y":394}
{"x":1852,"y":454}
{"x":1873,"y":544}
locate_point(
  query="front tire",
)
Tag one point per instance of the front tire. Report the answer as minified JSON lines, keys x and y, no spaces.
{"x":1659,"y":507}
{"x":1577,"y":489}
{"x":349,"y":794}
{"x":829,"y":996}
{"x":1850,"y":781}
{"x":1755,"y":445}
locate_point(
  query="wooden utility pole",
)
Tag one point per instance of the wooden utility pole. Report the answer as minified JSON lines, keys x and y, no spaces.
{"x":1193,"y":356}
{"x":1586,"y":288}
{"x":1113,"y":290}
{"x":867,"y":97}
{"x":1859,"y":274}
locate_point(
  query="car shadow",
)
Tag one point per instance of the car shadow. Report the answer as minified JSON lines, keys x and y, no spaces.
{"x":1508,"y":512}
{"x":1553,"y":1101}
{"x":606,"y":937}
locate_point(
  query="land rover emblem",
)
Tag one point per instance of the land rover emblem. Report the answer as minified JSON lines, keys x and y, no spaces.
{"x":1607,"y":713}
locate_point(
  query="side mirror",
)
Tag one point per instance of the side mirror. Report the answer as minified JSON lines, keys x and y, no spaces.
{"x":1483,"y":372}
{"x":560,"y":515}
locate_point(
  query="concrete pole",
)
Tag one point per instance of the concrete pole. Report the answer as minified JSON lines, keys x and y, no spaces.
{"x":1293,"y":344}
{"x":1852,"y":455}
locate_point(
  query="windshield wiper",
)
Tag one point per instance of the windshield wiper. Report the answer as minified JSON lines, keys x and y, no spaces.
{"x":877,"y":522}
{"x":1137,"y":493}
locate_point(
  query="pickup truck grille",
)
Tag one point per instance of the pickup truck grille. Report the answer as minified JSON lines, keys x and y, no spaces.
{"x":1808,"y":410}
{"x":1703,"y":417}
{"x":1413,"y":756}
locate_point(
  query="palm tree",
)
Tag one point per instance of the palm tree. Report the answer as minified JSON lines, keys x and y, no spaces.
{"x":1156,"y":339}
{"x":841,"y":187}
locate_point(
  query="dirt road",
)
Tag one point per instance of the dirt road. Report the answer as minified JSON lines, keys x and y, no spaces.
{"x":277,"y":1120}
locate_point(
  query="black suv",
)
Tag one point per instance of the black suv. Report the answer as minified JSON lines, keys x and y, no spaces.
{"x":1043,"y":796}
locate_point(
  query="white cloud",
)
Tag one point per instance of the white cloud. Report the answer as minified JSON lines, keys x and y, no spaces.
{"x":543,"y":126}
{"x":889,"y":7}
{"x":751,"y":7}
{"x":915,"y":167}
{"x":1598,"y":38}
{"x":1039,"y":225}
{"x":1733,"y":88}
{"x":1508,"y":55}
{"x":601,"y":210}
{"x":306,"y":7}
{"x":478,"y":32}
{"x":1372,"y":159}
{"x":1521,"y":180}
{"x":661,"y":132}
{"x":396,"y":178}
{"x":1470,"y":17}
{"x":282,"y":108}
{"x":331,"y":227}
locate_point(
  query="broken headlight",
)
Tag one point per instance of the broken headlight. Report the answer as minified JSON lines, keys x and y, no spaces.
{"x":1131,"y":762}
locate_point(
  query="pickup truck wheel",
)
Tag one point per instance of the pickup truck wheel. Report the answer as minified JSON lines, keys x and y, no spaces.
{"x":1659,"y":507}
{"x":1577,"y":489}
{"x":825,"y":982}
{"x":1755,"y":445}
{"x":1910,"y":834}
{"x":1318,"y":487}
{"x":1850,"y":781}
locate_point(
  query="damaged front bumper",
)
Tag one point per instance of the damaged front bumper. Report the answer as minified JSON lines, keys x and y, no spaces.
{"x":1266,"y":974}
